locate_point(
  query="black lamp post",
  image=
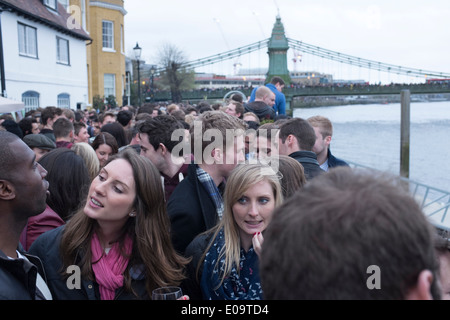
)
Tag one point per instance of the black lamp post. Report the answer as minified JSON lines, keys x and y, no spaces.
{"x":152,"y":72}
{"x":2,"y":63}
{"x":137,"y":55}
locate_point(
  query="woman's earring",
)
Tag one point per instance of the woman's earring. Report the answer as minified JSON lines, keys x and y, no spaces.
{"x":132,"y":214}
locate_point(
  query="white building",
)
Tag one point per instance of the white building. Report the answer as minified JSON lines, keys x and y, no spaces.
{"x":45,"y":60}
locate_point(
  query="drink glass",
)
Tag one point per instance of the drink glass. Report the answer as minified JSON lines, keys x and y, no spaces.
{"x":167,"y":293}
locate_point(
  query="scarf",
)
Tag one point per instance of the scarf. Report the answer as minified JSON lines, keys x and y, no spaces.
{"x":211,"y":188}
{"x":243,"y":285}
{"x":109,"y":268}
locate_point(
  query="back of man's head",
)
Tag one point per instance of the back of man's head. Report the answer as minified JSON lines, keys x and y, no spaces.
{"x":348,"y":235}
{"x":62,"y":128}
{"x":276,"y":80}
{"x":124,"y":117}
{"x":262,"y":92}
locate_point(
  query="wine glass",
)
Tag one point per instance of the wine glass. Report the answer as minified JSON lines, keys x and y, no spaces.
{"x":167,"y":293}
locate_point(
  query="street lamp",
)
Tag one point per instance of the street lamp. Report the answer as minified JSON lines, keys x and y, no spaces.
{"x":137,"y":54}
{"x":152,"y":72}
{"x":2,"y":61}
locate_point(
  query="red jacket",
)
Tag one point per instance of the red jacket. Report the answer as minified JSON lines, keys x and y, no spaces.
{"x":39,"y":224}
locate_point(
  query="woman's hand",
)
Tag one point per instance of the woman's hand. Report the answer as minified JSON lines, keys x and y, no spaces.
{"x":257,"y":241}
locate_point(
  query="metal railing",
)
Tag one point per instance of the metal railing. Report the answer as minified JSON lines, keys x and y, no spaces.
{"x":434,"y":202}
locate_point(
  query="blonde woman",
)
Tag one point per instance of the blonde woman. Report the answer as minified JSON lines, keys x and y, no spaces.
{"x":225,"y":258}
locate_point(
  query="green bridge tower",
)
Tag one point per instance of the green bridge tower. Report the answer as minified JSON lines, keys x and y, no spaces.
{"x":278,"y":47}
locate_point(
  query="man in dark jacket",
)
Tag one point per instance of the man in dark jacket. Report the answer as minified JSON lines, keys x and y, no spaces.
{"x":296,"y":139}
{"x":324,"y":132}
{"x":191,"y":209}
{"x":23,"y":191}
{"x":277,"y":85}
{"x":263,"y":104}
{"x":196,"y":204}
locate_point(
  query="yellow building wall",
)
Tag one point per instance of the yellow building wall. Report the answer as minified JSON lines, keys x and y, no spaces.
{"x":100,"y":61}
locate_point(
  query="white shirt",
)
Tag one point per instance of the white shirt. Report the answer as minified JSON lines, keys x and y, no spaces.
{"x":324,"y":166}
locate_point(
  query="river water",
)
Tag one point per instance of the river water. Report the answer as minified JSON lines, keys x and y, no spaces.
{"x":369,"y":135}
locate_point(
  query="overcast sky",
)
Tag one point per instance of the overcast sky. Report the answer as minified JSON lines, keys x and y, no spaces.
{"x":409,"y":33}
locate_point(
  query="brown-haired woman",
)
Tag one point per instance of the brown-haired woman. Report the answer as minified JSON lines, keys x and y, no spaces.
{"x":119,"y":242}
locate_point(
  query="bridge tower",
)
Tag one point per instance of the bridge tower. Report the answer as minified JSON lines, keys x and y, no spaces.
{"x":278,"y":47}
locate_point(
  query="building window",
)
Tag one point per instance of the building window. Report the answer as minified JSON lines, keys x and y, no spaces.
{"x":83,"y":13}
{"x":108,"y":35}
{"x":27,"y":41}
{"x":65,"y":3}
{"x":31,"y":100}
{"x":51,"y":4}
{"x":122,"y":44}
{"x":64,"y":100}
{"x":110,"y":84}
{"x":62,"y":51}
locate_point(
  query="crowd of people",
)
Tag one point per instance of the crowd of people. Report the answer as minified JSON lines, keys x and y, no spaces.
{"x":232,"y":201}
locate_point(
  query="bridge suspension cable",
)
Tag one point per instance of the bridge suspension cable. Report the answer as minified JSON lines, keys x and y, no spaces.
{"x":223,"y":56}
{"x":319,"y":52}
{"x":364,"y":63}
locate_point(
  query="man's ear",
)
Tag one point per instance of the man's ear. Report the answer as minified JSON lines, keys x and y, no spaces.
{"x":291,"y":141}
{"x":216,"y":154}
{"x":7,"y":191}
{"x":328,"y":140}
{"x":422,"y":289}
{"x":163,"y":149}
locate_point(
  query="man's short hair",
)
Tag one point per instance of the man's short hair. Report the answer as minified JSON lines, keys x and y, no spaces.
{"x":49,"y":113}
{"x":276,"y":80}
{"x":102,"y":116}
{"x":218,"y":121}
{"x":77,"y":127}
{"x":261,"y":92}
{"x":239,"y":107}
{"x":159,"y":130}
{"x":124,"y":117}
{"x":302,"y":130}
{"x":62,"y":128}
{"x":68,"y":113}
{"x":7,"y":154}
{"x":324,"y":124}
{"x":322,"y":240}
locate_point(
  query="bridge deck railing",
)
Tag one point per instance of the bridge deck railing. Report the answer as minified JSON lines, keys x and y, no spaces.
{"x":434,"y":202}
{"x":330,"y":90}
{"x":368,"y":89}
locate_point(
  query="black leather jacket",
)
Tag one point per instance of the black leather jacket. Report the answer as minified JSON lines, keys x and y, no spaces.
{"x":18,"y":278}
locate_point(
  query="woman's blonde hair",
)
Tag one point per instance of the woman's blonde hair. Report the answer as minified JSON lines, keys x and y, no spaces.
{"x":241,"y":179}
{"x":85,"y":151}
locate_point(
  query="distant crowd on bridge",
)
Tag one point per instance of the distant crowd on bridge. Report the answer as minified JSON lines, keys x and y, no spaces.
{"x":443,"y":84}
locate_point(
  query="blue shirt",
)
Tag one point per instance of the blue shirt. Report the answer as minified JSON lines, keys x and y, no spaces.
{"x":280,"y":99}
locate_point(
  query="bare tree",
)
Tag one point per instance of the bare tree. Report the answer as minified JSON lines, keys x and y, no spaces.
{"x":175,"y":76}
